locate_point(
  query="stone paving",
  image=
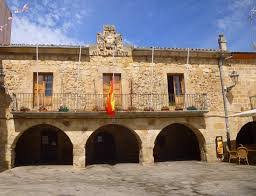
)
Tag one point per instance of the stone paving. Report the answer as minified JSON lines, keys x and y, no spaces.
{"x":170,"y":178}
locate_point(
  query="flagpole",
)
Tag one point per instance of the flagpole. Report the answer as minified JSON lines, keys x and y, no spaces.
{"x":188,"y":56}
{"x":113,"y":77}
{"x":152,"y":73}
{"x":37,"y":78}
{"x":185,"y":97}
{"x":78,"y":76}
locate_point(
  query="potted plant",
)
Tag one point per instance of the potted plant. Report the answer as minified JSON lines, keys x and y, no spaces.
{"x":191,"y":108}
{"x":132,"y":108}
{"x":148,"y":109}
{"x":63,"y":109}
{"x":118,"y":108}
{"x":165,"y":108}
{"x":24,"y":109}
{"x":95,"y":109}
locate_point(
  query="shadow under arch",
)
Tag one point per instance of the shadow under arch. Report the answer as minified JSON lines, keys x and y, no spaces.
{"x":247,"y":134}
{"x":43,"y":144}
{"x":179,"y":142}
{"x":111,"y":144}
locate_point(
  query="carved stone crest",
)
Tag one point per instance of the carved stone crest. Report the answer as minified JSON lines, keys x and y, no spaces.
{"x":109,"y":43}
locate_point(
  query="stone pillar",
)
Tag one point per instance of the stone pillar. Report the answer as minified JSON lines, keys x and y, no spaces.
{"x":147,"y":138}
{"x":211,"y":152}
{"x":146,"y":155}
{"x":78,"y":139}
{"x":9,"y":157}
{"x":78,"y":156}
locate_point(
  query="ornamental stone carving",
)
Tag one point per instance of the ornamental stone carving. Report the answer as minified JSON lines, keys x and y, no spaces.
{"x":109,"y":43}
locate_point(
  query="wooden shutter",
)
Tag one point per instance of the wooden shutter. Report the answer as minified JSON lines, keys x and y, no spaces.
{"x":41,"y":86}
{"x":178,"y":82}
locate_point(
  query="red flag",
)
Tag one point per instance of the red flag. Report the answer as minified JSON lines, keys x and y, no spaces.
{"x":110,"y":101}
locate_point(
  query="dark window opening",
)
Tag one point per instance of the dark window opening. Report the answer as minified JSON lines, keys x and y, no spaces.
{"x":176,"y":89}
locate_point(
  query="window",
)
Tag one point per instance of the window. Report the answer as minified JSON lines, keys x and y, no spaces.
{"x":43,"y":89}
{"x":176,"y":88}
{"x":107,"y":77}
{"x":45,"y":83}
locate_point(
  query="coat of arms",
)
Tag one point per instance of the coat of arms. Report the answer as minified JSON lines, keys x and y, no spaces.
{"x":109,"y":42}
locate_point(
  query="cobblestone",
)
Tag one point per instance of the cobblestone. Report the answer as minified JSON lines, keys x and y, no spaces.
{"x":170,"y":178}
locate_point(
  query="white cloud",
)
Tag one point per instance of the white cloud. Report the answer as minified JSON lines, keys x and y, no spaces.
{"x":25,"y":31}
{"x":236,"y":15}
{"x":47,"y":22}
{"x":129,"y":42}
{"x":235,"y":23}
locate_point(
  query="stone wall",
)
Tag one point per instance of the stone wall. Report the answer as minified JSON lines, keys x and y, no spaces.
{"x":201,"y":76}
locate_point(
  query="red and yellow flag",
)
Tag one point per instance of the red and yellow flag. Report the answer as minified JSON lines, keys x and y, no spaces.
{"x":110,"y":101}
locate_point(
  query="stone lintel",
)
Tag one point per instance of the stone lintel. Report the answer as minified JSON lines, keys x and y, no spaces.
{"x":103,"y":115}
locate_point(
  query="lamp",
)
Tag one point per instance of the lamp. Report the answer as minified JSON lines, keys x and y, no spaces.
{"x":234,"y":77}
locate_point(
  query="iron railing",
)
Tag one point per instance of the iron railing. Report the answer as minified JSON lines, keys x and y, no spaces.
{"x":96,"y":102}
{"x":253,"y":102}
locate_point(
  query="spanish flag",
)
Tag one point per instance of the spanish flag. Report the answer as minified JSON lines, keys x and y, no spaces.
{"x":110,"y":101}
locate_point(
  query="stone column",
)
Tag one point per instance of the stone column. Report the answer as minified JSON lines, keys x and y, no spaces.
{"x":9,"y":157}
{"x":147,"y":145}
{"x":146,"y":155}
{"x":79,"y":140}
{"x":211,"y":152}
{"x":78,"y":156}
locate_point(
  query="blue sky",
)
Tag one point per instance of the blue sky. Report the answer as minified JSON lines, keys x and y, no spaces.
{"x":163,"y":23}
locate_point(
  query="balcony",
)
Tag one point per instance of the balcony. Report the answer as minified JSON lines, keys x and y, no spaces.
{"x":28,"y":102}
{"x":253,"y":102}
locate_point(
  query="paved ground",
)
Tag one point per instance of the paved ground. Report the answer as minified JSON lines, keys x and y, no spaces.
{"x":173,"y":178}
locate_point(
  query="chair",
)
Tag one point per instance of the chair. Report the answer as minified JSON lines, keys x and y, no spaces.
{"x":232,"y":154}
{"x":242,"y":153}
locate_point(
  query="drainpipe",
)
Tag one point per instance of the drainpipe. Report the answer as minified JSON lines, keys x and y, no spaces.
{"x":223,"y":47}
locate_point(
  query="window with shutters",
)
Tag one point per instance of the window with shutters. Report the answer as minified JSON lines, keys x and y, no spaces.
{"x":176,"y":89}
{"x":43,"y":88}
{"x":107,"y":77}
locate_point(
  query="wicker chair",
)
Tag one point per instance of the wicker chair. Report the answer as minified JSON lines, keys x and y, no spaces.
{"x":232,"y":154}
{"x":242,"y":154}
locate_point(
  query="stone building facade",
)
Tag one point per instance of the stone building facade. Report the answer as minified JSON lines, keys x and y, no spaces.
{"x":169,"y":102}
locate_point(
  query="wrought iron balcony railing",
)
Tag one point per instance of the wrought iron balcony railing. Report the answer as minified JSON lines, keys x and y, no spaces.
{"x":96,"y":102}
{"x":253,"y":102}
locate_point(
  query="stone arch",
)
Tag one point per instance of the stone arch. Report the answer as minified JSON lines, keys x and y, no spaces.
{"x":42,"y":144}
{"x":247,"y":134}
{"x":111,"y":144}
{"x":22,"y":125}
{"x":179,"y":141}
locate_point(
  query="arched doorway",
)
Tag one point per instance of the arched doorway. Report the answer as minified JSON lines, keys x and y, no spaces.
{"x":176,"y":142}
{"x":247,"y":134}
{"x":43,"y":144}
{"x":112,"y":144}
